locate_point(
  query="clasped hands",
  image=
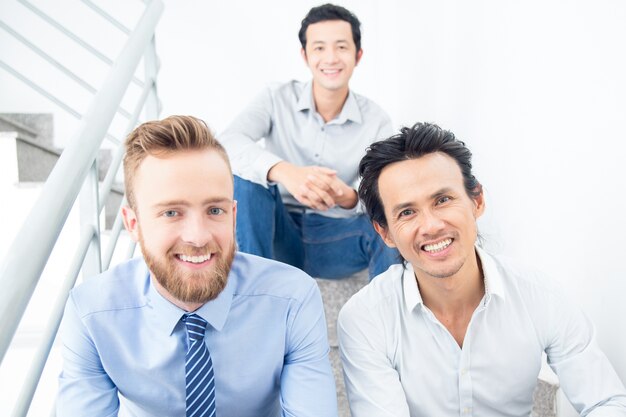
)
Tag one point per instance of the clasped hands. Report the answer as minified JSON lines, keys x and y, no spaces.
{"x":314,"y":186}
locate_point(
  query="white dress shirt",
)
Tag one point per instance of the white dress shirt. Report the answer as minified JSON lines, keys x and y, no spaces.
{"x":400,"y":361}
{"x":285,"y":116}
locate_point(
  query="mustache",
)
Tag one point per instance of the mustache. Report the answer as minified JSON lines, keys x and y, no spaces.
{"x":194,"y":250}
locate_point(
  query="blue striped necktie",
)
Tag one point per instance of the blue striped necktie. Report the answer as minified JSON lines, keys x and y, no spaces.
{"x":198,"y":370}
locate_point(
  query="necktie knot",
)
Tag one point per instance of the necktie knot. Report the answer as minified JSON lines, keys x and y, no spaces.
{"x":196,"y":326}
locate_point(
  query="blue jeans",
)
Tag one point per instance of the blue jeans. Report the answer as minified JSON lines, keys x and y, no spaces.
{"x":323,"y":247}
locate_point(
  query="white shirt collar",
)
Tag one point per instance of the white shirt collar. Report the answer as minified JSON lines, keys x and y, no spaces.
{"x":349,"y":111}
{"x":492,"y":277}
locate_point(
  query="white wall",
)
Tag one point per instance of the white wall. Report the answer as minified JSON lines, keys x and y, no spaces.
{"x":536,"y":88}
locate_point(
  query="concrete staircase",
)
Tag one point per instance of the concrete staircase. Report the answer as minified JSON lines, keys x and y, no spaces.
{"x":37,"y":155}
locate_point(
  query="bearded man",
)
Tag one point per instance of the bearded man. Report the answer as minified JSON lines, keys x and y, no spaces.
{"x":193,"y":328}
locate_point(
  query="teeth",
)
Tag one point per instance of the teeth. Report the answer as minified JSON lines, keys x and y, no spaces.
{"x":437,"y":247}
{"x":330,"y":71}
{"x":194,"y":259}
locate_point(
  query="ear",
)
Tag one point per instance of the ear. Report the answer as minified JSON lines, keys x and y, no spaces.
{"x":234,"y":215}
{"x":358,"y":56}
{"x":384,"y":234}
{"x":130,"y":222}
{"x":304,"y":57}
{"x":479,"y":203}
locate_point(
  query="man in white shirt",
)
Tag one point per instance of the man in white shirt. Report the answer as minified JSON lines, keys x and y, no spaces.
{"x":296,"y":189}
{"x":456,"y":331}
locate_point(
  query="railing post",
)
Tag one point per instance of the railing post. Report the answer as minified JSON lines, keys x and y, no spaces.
{"x":38,"y":362}
{"x":90,"y":220}
{"x":153,"y":106}
{"x":151,"y":68}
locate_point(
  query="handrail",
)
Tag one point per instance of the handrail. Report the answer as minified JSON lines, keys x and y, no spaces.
{"x":48,"y":58}
{"x":54,"y":320}
{"x":49,"y":96}
{"x":43,"y":225}
{"x":73,"y":36}
{"x":107,"y":16}
{"x":40,"y":90}
{"x":115,"y":234}
{"x":65,"y":70}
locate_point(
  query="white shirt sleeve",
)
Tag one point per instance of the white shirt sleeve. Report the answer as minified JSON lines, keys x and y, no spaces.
{"x":586,"y":376}
{"x":372,"y":384}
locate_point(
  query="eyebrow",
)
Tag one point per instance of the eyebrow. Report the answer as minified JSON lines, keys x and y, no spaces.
{"x":438,"y":193}
{"x":441,"y":191}
{"x":400,"y":207}
{"x":325,"y":42}
{"x":184,"y":203}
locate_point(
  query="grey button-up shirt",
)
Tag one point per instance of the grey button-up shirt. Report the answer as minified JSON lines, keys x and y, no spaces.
{"x":284,"y":116}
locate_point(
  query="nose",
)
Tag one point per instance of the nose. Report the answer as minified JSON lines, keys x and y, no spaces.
{"x":330,"y":55}
{"x":196,"y":231}
{"x":431,"y":223}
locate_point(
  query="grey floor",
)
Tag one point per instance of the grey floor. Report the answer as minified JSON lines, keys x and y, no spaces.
{"x":336,"y":292}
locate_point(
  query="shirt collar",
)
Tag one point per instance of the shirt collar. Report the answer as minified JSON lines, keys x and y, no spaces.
{"x":305,"y":102}
{"x":492,"y":277}
{"x":168,"y":315}
{"x":412,"y":296}
{"x":350,"y":110}
{"x":216,"y":311}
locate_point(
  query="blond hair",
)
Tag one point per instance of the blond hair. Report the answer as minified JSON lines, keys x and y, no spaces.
{"x":160,"y":137}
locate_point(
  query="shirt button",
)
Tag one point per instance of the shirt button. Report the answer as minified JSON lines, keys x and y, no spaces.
{"x":463,"y":371}
{"x":466,"y":410}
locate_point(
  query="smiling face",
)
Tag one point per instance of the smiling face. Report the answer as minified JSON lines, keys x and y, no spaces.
{"x":430,"y":217}
{"x":331,"y":54}
{"x":184,"y":220}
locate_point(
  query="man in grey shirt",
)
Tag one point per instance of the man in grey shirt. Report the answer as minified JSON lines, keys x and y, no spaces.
{"x":296,"y":191}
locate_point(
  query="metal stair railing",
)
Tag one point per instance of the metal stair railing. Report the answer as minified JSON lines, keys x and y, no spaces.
{"x":59,"y":66}
{"x":75,"y":177}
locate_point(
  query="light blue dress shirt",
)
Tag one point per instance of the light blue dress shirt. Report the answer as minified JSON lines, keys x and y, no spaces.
{"x":400,"y":360}
{"x":124,"y":345}
{"x":284,"y":116}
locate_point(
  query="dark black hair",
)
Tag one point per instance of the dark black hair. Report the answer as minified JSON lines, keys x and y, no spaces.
{"x":331,"y":12}
{"x":410,"y":143}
